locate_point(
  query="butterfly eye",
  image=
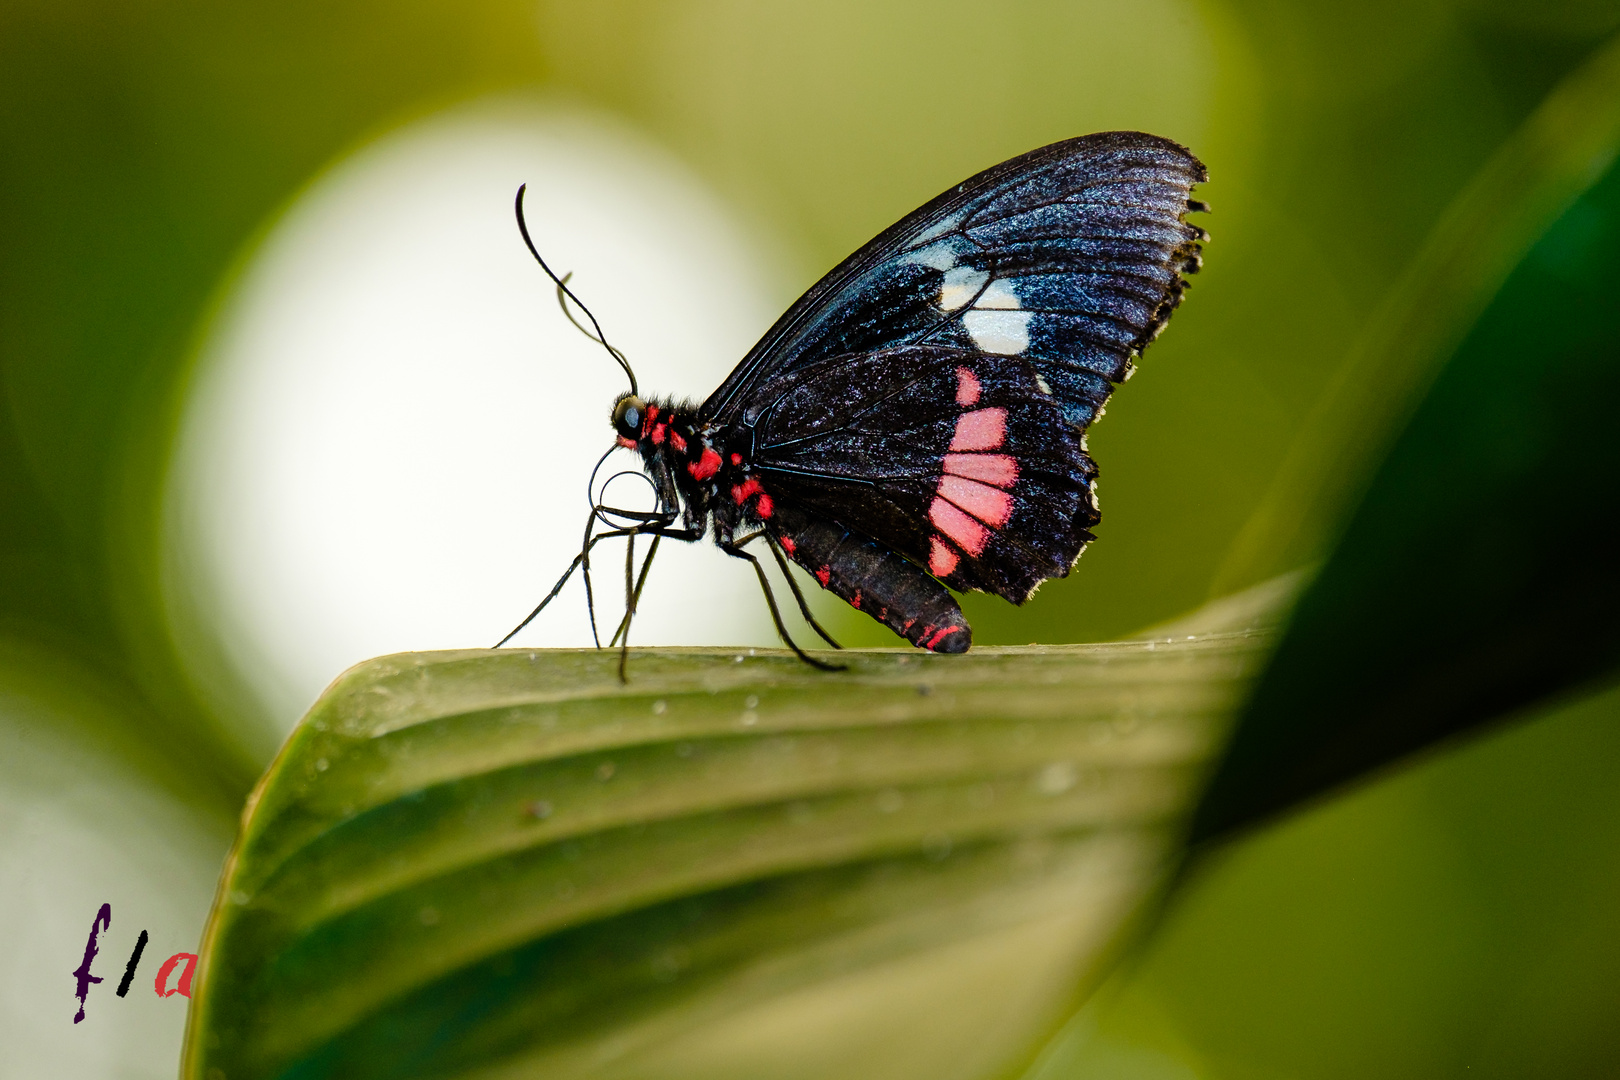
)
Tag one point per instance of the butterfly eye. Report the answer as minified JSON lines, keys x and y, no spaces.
{"x":627,"y":417}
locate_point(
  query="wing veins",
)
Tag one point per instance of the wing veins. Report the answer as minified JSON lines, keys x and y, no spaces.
{"x":913,"y":381}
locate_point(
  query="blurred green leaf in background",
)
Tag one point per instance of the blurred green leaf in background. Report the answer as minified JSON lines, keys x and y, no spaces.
{"x":1399,"y":367}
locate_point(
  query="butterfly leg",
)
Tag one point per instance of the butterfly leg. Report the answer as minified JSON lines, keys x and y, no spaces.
{"x":804,"y":608}
{"x":583,"y":559}
{"x":735,"y":550}
{"x":655,"y":523}
{"x":632,"y":598}
{"x":579,"y":560}
{"x":656,"y":526}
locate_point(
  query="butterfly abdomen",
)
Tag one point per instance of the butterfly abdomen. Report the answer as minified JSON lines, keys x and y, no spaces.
{"x":874,"y":580}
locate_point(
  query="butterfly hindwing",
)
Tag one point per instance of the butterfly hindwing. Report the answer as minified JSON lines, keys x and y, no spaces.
{"x":958,"y":460}
{"x":1071,"y":256}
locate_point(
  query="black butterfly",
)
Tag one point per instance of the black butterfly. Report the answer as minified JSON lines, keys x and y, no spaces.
{"x":917,"y":419}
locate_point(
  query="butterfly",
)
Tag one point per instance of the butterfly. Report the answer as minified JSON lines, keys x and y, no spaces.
{"x":916,"y":422}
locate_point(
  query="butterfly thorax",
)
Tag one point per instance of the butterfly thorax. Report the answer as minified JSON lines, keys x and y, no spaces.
{"x":693,"y":465}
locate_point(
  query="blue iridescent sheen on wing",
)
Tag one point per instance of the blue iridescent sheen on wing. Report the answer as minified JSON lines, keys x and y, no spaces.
{"x":1071,"y":256}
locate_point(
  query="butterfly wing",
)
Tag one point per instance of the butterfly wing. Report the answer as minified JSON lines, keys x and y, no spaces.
{"x":958,"y":460}
{"x":1070,"y":256}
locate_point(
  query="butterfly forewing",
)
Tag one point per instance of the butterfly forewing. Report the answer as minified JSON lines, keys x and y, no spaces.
{"x":1070,"y":256}
{"x":932,"y":392}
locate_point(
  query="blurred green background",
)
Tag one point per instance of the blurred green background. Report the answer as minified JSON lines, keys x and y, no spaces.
{"x":1457,"y":919}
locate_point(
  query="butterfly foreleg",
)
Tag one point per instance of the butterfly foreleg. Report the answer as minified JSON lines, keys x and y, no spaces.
{"x":734,"y":548}
{"x":632,"y":596}
{"x":632,"y":592}
{"x":579,"y":560}
{"x":649,"y":522}
{"x":582,"y":560}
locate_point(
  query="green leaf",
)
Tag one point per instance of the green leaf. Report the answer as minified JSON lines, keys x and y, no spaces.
{"x":733,"y":866}
{"x":1566,"y":144}
{"x":1478,"y":575}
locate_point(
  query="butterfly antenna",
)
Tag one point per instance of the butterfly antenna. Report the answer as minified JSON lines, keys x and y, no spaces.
{"x":568,"y":313}
{"x":562,"y":287}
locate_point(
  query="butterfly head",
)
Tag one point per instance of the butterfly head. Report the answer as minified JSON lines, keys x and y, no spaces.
{"x":629,"y":415}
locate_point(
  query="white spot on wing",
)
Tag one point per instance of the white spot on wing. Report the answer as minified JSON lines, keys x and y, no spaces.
{"x":1005,"y":333}
{"x":941,"y":256}
{"x":962,"y":284}
{"x":938,"y":229}
{"x":999,"y":295}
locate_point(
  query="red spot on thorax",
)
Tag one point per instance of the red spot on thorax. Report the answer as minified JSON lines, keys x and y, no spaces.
{"x":647,"y":420}
{"x":736,"y":459}
{"x":750,"y":487}
{"x":704,"y":467}
{"x":676,"y":441}
{"x":824,"y":575}
{"x":658,"y":433}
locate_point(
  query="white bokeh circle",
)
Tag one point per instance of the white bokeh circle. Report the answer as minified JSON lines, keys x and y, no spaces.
{"x":386,"y":444}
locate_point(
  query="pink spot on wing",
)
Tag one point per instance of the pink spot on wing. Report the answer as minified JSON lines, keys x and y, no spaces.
{"x":931,"y":642}
{"x":989,"y":504}
{"x":704,"y":467}
{"x":676,"y":441}
{"x":967,"y":387}
{"x":969,"y":535}
{"x":998,"y":469}
{"x":736,"y":459}
{"x":788,"y":545}
{"x":855,"y":601}
{"x":824,"y":575}
{"x":941,"y":559}
{"x":981,"y":429}
{"x":764,"y":507}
